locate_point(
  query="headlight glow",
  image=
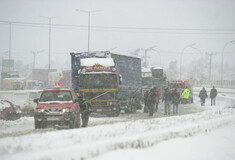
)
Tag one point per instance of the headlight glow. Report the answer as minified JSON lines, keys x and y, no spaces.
{"x":40,"y":110}
{"x":66,"y":110}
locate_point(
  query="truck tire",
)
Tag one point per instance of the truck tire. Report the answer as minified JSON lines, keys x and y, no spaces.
{"x":37,"y":125}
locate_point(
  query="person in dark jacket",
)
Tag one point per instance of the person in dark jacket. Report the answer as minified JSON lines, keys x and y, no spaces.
{"x":175,"y":97}
{"x":213,"y":94}
{"x":167,"y":99}
{"x":151,"y":100}
{"x":85,"y":107}
{"x":145,"y":101}
{"x":157,"y":92}
{"x":203,"y":96}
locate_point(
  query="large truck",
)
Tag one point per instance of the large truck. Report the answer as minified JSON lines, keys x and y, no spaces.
{"x":111,"y":82}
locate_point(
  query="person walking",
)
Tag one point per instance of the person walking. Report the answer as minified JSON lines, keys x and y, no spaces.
{"x":145,"y":101}
{"x":175,"y":96}
{"x":167,"y":99}
{"x":213,"y":94}
{"x":186,"y":95}
{"x":203,"y":96}
{"x":85,"y":107}
{"x":151,"y":101}
{"x":157,"y":97}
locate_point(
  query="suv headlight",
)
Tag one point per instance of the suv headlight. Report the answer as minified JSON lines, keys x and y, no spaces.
{"x":66,"y":110}
{"x":40,"y":110}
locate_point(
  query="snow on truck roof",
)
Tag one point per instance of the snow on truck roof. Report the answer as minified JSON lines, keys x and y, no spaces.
{"x":101,"y":61}
{"x":105,"y":54}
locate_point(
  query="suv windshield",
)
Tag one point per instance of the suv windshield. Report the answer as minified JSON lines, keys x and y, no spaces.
{"x":55,"y":96}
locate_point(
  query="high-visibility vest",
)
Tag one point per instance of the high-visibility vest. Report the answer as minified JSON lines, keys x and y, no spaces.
{"x":186,"y":93}
{"x":86,"y":106}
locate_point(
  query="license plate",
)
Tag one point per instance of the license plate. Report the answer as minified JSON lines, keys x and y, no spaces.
{"x":99,"y":110}
{"x":53,"y":118}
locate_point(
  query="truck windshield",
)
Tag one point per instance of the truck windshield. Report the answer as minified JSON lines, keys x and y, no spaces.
{"x":55,"y":96}
{"x":99,"y":95}
{"x":98,"y":81}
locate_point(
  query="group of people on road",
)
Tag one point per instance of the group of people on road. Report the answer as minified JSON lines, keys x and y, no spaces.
{"x":152,"y":97}
{"x":171,"y":98}
{"x":203,"y":95}
{"x":151,"y":100}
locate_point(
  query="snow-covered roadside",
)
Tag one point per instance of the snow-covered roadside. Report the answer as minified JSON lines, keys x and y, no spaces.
{"x":214,"y":145}
{"x":94,"y":141}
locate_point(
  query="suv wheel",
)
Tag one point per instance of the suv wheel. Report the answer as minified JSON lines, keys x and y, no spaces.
{"x":37,"y":125}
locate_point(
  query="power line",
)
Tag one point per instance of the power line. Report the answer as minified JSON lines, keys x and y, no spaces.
{"x":128,"y":29}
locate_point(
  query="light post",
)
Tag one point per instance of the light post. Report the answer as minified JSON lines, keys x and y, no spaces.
{"x":89,"y":13}
{"x":49,"y":58}
{"x":222,"y":61}
{"x":34,"y":56}
{"x":190,"y":45}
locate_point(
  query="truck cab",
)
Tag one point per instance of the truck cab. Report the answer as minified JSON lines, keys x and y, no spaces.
{"x":57,"y":106}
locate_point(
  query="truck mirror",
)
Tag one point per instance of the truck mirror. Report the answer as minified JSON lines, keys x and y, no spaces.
{"x":36,"y":100}
{"x":120,"y":79}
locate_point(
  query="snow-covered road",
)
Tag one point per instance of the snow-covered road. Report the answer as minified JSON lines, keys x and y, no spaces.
{"x":128,"y":136}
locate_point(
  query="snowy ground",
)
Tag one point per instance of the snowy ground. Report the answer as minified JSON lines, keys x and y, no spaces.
{"x":197,"y":133}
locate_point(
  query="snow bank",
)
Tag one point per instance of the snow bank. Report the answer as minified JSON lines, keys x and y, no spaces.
{"x":90,"y":142}
{"x":215,"y":145}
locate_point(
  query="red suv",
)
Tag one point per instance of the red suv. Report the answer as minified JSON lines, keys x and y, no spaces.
{"x":57,"y":107}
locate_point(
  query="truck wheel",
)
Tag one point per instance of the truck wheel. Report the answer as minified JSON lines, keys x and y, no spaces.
{"x":37,"y":125}
{"x":127,"y":110}
{"x":145,"y":109}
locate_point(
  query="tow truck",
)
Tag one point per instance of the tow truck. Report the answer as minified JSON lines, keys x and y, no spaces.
{"x":57,"y":107}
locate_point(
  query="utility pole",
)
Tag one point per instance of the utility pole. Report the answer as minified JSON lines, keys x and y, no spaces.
{"x":89,"y":15}
{"x":49,"y":58}
{"x":34,"y":56}
{"x":145,"y":54}
{"x":210,"y":55}
{"x":9,"y":58}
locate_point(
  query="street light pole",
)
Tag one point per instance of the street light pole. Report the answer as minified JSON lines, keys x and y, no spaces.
{"x":222,"y":61}
{"x":190,"y":45}
{"x":89,"y":16}
{"x":49,"y":57}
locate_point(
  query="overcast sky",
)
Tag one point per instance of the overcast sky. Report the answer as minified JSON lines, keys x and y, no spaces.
{"x":170,"y":25}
